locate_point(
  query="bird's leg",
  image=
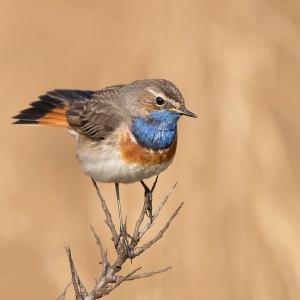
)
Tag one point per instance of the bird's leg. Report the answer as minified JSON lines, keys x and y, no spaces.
{"x":123,"y":232}
{"x":148,"y":200}
{"x":148,"y":197}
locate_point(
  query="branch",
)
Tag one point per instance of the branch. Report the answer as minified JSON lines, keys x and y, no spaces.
{"x":109,"y":280}
{"x":150,"y":222}
{"x":138,"y":251}
{"x":108,"y":220}
{"x":105,"y":262}
{"x":144,"y":275}
{"x":63,"y":294}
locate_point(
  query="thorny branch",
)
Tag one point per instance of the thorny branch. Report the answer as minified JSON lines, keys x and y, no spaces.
{"x":109,"y":280}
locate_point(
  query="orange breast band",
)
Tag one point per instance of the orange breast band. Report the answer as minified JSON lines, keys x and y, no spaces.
{"x":134,"y":153}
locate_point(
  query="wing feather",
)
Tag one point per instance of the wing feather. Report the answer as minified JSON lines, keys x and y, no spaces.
{"x":100,"y":116}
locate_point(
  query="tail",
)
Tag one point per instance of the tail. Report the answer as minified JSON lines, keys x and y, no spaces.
{"x":51,"y":108}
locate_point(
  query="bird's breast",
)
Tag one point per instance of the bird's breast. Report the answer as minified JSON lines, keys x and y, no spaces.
{"x":120,"y":158}
{"x":134,"y":153}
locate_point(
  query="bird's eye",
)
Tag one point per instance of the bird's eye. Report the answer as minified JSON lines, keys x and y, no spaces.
{"x":159,"y":101}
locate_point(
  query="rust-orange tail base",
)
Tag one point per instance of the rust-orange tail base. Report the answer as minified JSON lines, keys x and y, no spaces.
{"x":47,"y":115}
{"x":50,"y":109}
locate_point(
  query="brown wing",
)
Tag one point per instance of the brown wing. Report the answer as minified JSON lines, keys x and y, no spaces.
{"x":100,"y":116}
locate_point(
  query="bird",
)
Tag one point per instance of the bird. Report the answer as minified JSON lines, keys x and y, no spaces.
{"x":126,"y":133}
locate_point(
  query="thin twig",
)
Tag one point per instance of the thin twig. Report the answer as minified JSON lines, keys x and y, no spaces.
{"x":105,"y":262}
{"x":136,"y":236}
{"x":109,"y":222}
{"x":83,"y":291}
{"x":73,"y":272}
{"x":138,"y":224}
{"x":102,"y":287}
{"x":139,"y":250}
{"x":150,"y":222}
{"x":148,"y":274}
{"x":63,"y":294}
{"x":124,"y":278}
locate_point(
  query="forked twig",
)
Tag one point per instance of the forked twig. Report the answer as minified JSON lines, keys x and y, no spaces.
{"x":148,"y":274}
{"x":108,"y":220}
{"x":139,"y":250}
{"x":105,"y":262}
{"x":150,"y":222}
{"x":63,"y":294}
{"x":109,"y":280}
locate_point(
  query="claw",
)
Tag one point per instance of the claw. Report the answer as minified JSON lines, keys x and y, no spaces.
{"x":123,"y":231}
{"x":148,"y":197}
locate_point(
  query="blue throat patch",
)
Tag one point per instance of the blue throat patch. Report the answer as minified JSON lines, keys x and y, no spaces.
{"x":158,"y":132}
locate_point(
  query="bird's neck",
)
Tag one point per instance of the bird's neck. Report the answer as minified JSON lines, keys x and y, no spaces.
{"x":158,"y":131}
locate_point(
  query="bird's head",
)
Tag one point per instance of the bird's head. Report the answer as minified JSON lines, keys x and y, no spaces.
{"x":155,"y":98}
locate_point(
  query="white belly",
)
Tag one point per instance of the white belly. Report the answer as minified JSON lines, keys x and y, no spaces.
{"x":103,"y":162}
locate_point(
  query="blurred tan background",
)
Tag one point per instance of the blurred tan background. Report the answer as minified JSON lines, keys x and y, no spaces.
{"x":237,"y":63}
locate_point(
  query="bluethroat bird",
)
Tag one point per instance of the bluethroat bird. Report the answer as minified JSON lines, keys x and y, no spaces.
{"x":126,"y":133}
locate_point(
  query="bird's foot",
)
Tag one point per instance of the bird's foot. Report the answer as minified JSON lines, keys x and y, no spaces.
{"x":124,"y":235}
{"x":148,"y":198}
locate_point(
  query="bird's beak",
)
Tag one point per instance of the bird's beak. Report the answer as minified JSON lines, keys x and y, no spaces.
{"x":184,"y":112}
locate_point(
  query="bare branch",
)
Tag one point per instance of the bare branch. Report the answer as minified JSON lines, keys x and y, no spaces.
{"x":108,"y":220}
{"x":109,"y":280}
{"x":73,"y":272}
{"x":124,"y":278}
{"x":148,"y":274}
{"x":63,"y":294}
{"x":83,"y":291}
{"x":105,"y":262}
{"x":138,"y":223}
{"x":138,"y":251}
{"x":150,"y":222}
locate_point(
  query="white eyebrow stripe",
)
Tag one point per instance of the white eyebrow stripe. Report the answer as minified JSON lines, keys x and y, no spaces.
{"x":158,"y":94}
{"x":153,"y":92}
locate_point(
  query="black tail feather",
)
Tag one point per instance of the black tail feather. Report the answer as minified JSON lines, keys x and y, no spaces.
{"x":26,"y":122}
{"x":43,"y":105}
{"x":51,"y":108}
